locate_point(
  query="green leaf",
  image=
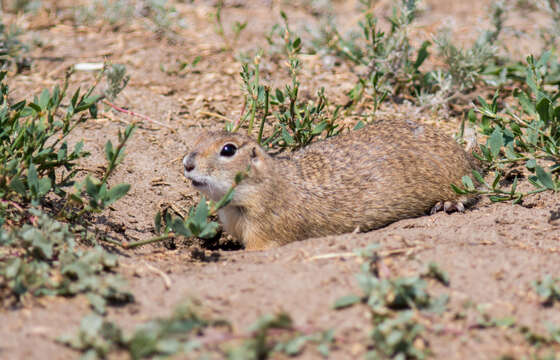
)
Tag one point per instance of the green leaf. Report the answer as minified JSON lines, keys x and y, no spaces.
{"x":201,"y":213}
{"x":359,"y":125}
{"x":168,"y":346}
{"x":543,"y":109}
{"x":423,"y":54}
{"x":295,"y":346}
{"x":437,"y":273}
{"x":18,"y":186}
{"x":467,"y":181}
{"x":35,"y":107}
{"x":178,"y":226}
{"x":510,"y":153}
{"x":346,"y":301}
{"x":109,"y":152}
{"x":209,"y":231}
{"x":117,"y":192}
{"x":495,"y":142}
{"x":287,"y":137}
{"x":319,"y":128}
{"x":33,"y":178}
{"x":279,"y":96}
{"x":297,"y":43}
{"x":526,"y":103}
{"x":513,"y":186}
{"x":157,"y":222}
{"x":545,"y":178}
{"x":478,"y":177}
{"x":86,"y":103}
{"x":506,"y":322}
{"x":44,"y":186}
{"x":458,"y":190}
{"x":97,"y":302}
{"x":93,"y":111}
{"x":496,"y":180}
{"x":44,"y":99}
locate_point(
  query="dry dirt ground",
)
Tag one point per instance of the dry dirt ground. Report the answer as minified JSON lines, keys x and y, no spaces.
{"x":492,"y":252}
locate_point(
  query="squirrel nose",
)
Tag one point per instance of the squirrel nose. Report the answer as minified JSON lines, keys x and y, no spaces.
{"x":188,"y":162}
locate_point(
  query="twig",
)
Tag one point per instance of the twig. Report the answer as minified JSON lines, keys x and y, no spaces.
{"x":207,"y":113}
{"x":166,"y":280}
{"x":132,"y":113}
{"x":332,"y":255}
{"x":385,"y":253}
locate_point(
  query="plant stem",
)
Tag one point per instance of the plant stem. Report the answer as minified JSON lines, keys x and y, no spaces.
{"x":127,"y":245}
{"x":266,"y":93}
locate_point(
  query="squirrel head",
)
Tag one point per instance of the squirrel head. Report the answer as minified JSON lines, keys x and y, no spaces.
{"x":217,"y":157}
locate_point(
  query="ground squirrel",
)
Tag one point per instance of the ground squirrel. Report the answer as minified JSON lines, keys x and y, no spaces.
{"x":364,"y":179}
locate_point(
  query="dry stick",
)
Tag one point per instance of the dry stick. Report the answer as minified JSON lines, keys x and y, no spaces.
{"x":390,"y":252}
{"x":166,"y":280}
{"x":132,"y":113}
{"x":208,"y":113}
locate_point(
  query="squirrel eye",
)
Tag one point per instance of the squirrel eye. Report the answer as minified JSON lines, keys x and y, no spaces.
{"x":228,"y":150}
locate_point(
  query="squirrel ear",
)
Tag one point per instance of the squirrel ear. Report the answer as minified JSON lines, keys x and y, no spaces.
{"x":257,"y":155}
{"x":254,"y":152}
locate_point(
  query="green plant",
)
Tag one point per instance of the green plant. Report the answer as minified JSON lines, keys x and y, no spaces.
{"x":38,"y":168}
{"x":98,"y":338}
{"x":394,"y":305}
{"x":182,"y":67}
{"x":37,"y":160}
{"x":393,"y":63}
{"x":297,"y":123}
{"x":116,"y":80}
{"x":551,"y":33}
{"x":196,"y":224}
{"x":45,"y":261}
{"x":157,"y":15}
{"x":276,"y":334}
{"x":185,"y":331}
{"x":548,"y":290}
{"x":527,"y":134}
{"x":237,"y":28}
{"x":11,"y":49}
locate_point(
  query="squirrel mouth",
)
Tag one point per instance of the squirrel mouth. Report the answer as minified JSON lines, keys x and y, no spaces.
{"x":197,"y":183}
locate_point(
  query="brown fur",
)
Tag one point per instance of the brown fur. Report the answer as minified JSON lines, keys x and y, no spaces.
{"x":364,"y":179}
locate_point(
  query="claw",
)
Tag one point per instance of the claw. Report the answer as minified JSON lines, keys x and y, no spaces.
{"x":448,"y":207}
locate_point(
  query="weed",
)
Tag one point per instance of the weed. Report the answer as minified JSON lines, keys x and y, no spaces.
{"x":184,"y":331}
{"x":393,"y":64}
{"x":266,"y":339}
{"x":527,"y":134}
{"x":116,"y":80}
{"x":196,"y":224}
{"x":182,"y":67}
{"x":38,"y":169}
{"x":237,"y":28}
{"x":37,"y":159}
{"x":11,"y":49}
{"x":97,"y":338}
{"x":394,"y":306}
{"x":50,"y":264}
{"x":464,"y":67}
{"x":550,"y":34}
{"x":297,"y":124}
{"x":159,"y":15}
{"x":548,"y":290}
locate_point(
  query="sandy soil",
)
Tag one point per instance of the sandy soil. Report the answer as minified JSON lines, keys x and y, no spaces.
{"x":492,"y":252}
